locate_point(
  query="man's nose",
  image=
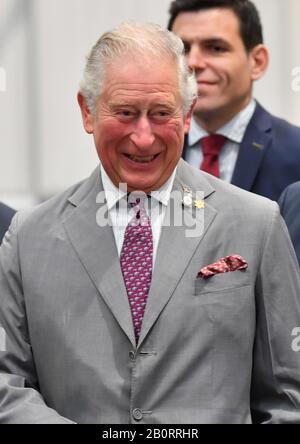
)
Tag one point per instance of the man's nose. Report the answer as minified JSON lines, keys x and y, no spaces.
{"x":142,"y":135}
{"x":196,"y":58}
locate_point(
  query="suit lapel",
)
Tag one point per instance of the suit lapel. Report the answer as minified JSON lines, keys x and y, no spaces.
{"x":175,"y":249}
{"x":97,"y":251}
{"x":253,"y":148}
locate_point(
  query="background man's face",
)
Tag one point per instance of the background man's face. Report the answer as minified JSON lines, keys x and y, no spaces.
{"x":216,"y":52}
{"x":139,"y":125}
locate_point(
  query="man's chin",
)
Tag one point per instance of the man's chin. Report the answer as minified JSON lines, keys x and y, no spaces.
{"x":142,"y":187}
{"x":204,"y":107}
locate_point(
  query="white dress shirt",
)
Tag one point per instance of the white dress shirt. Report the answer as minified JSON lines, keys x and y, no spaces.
{"x":234,"y":131}
{"x":120,"y":212}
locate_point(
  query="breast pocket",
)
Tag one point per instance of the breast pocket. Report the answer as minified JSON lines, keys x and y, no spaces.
{"x":214,"y":286}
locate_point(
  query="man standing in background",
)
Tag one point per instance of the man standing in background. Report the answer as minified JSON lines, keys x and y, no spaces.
{"x":231,"y":135}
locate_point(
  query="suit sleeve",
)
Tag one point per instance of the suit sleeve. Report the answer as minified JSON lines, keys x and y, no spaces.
{"x":20,"y":400}
{"x":275,"y":392}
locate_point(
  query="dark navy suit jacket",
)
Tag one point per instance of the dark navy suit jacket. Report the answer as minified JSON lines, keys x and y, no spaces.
{"x":290,"y":209}
{"x":6,"y":215}
{"x":269,"y":155}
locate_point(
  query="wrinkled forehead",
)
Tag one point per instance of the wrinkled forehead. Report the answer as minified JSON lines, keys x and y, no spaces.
{"x":129,"y":70}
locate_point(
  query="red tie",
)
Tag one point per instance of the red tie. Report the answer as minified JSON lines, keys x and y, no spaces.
{"x":211,"y":147}
{"x":136,"y":263}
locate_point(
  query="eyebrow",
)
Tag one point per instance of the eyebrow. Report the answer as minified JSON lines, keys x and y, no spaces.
{"x":216,"y":41}
{"x":131,"y":102}
{"x":208,"y":41}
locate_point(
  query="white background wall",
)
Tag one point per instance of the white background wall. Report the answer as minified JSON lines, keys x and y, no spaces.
{"x":43,"y":43}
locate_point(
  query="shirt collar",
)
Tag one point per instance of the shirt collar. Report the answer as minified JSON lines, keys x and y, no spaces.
{"x":114,"y":194}
{"x":233,"y":130}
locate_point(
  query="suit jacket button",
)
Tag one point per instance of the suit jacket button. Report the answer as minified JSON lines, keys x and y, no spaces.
{"x":132,"y":355}
{"x":137,"y":414}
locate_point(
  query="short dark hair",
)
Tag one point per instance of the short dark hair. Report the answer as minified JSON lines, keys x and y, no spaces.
{"x":246,"y":12}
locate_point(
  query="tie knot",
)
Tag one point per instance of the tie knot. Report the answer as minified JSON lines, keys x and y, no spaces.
{"x":137,"y":202}
{"x":136,"y":198}
{"x":211,"y":145}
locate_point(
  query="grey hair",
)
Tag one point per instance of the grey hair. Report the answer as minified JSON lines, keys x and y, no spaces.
{"x":139,"y":40}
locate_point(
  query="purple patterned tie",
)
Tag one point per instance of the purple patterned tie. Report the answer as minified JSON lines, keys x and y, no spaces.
{"x":136,"y":263}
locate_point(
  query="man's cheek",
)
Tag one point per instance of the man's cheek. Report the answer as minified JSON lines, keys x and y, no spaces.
{"x":174,"y":130}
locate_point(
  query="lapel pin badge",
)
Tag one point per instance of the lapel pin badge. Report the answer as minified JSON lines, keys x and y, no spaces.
{"x":258,"y":145}
{"x":187,"y":199}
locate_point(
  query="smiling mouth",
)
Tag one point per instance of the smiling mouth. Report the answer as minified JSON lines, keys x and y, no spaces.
{"x":139,"y":159}
{"x":205,"y":83}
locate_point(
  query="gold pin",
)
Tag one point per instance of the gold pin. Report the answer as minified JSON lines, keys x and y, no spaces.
{"x":199,"y":203}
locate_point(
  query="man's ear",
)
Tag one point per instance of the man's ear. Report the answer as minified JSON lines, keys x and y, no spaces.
{"x":187,"y":119}
{"x":260,"y":61}
{"x":87,"y":117}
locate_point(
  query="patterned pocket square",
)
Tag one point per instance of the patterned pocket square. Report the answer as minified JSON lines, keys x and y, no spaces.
{"x":224,"y":265}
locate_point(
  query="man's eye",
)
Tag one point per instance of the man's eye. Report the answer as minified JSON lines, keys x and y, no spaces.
{"x":218,"y":49}
{"x":125,"y":114}
{"x":161,"y":114}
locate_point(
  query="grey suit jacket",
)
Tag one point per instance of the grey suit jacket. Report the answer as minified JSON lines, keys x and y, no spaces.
{"x":210,"y":351}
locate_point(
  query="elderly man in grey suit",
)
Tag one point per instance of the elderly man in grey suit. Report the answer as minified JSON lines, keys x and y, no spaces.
{"x":150,"y":292}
